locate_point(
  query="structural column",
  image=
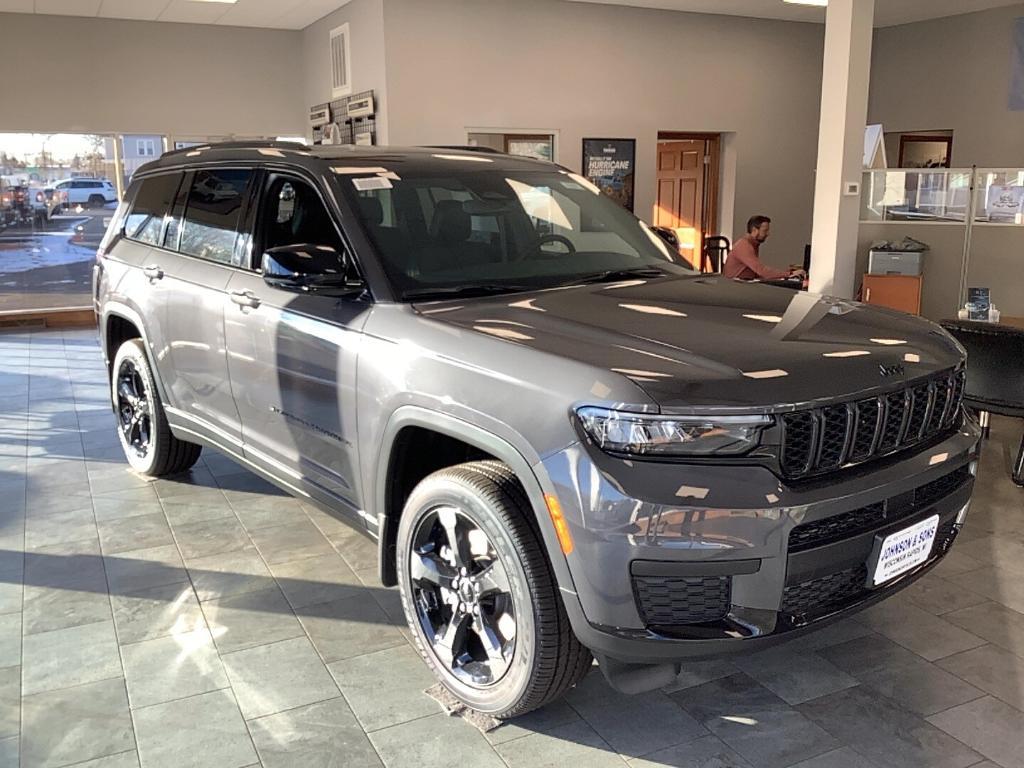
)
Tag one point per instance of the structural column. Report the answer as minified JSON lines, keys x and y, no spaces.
{"x":846,"y":75}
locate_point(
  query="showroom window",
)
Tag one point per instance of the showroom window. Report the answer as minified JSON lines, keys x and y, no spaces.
{"x":211,"y":217}
{"x":152,"y":204}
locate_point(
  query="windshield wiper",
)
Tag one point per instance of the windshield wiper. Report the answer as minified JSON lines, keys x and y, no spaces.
{"x":459,"y":291}
{"x":614,"y":275}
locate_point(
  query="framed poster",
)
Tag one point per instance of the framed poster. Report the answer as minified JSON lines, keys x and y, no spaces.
{"x":610,"y":165}
{"x":925,"y":151}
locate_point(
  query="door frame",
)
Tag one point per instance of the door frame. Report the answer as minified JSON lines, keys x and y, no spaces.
{"x":710,"y":205}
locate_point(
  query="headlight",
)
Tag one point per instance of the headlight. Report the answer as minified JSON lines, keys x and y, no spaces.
{"x":650,"y":435}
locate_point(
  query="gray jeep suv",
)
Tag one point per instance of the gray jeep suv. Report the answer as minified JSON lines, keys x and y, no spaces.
{"x":566,"y":443}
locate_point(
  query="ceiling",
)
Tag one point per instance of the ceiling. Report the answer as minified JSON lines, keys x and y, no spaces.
{"x":887,"y":12}
{"x":298,"y":14}
{"x":276,"y":14}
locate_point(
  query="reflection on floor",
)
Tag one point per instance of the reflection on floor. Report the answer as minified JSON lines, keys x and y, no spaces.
{"x":211,"y":621}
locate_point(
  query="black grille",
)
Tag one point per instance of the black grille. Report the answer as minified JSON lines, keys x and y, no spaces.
{"x":823,"y":439}
{"x":671,"y":601}
{"x":846,"y":524}
{"x":834,"y":590}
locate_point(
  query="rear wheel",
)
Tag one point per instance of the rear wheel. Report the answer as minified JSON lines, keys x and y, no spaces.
{"x":97,"y":201}
{"x":479,"y":594}
{"x":142,"y":425}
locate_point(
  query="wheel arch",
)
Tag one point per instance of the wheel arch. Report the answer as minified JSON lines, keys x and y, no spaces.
{"x":485,"y":441}
{"x":122,"y":313}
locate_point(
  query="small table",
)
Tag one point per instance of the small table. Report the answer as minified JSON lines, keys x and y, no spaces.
{"x":1016,"y":322}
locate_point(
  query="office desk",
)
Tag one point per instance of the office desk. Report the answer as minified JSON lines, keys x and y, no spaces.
{"x":1016,"y":322}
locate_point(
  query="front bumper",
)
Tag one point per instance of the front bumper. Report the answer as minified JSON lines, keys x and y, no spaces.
{"x":729,"y":530}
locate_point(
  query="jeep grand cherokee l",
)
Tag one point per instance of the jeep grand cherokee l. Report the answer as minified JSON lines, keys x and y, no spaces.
{"x":565,"y":443}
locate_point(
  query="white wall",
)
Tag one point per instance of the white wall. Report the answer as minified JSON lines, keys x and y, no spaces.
{"x":366,"y":32}
{"x":609,"y":72}
{"x":86,"y":75}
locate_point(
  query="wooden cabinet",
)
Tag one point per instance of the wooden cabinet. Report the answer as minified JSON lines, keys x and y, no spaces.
{"x":902,"y":292}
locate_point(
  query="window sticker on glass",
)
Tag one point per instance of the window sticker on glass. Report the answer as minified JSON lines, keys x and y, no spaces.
{"x":373,"y":182}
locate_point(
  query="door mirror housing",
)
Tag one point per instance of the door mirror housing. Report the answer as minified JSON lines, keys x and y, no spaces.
{"x":666,"y":234}
{"x":309,"y":268}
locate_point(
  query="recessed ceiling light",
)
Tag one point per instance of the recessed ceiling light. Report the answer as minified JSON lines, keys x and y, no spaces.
{"x":819,"y":3}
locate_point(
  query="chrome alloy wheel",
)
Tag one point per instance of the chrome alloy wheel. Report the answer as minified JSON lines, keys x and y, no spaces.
{"x":462,"y":597}
{"x":134,"y":416}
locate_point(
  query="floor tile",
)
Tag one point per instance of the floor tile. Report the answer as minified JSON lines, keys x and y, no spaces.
{"x":70,"y":656}
{"x":988,"y":726}
{"x":199,"y":732}
{"x":72,"y":565}
{"x":754,"y":722}
{"x":350,"y":627}
{"x":10,"y":701}
{"x":173,"y":667}
{"x":994,"y":622}
{"x":705,"y":752}
{"x":1002,"y":585}
{"x":914,"y":628}
{"x":50,"y":608}
{"x":107,"y":509}
{"x":128,"y":759}
{"x":156,"y":612}
{"x":129,"y":572}
{"x":272,"y":678}
{"x":183,"y":513}
{"x":210,"y":537}
{"x":381,"y":700}
{"x":60,"y":527}
{"x":76,"y":724}
{"x":575,"y":743}
{"x":544,"y":720}
{"x":794,"y":676}
{"x":694,"y":673}
{"x":315,"y":580}
{"x":840,"y":758}
{"x":282,"y":544}
{"x":632,"y":725}
{"x":321,"y":735}
{"x":228,"y":574}
{"x":886,"y":734}
{"x":250,"y":619}
{"x":439,"y":741}
{"x":939,"y":596}
{"x":268,"y":512}
{"x":991,"y":669}
{"x":125,"y":534}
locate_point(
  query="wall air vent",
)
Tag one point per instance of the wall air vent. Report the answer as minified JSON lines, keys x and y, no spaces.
{"x":341,"y":62}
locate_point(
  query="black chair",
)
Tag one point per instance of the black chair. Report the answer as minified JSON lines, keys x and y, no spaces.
{"x":995,"y":373}
{"x":716,"y":248}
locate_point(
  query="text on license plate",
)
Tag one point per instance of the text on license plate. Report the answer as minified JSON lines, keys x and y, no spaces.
{"x":906,"y":549}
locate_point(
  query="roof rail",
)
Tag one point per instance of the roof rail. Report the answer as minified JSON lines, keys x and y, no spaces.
{"x":466,"y":148}
{"x":254,"y":144}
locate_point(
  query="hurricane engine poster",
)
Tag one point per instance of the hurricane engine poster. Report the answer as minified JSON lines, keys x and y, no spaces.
{"x":609,"y":164}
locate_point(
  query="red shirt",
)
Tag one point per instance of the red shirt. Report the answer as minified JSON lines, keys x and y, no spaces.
{"x":744,"y":263}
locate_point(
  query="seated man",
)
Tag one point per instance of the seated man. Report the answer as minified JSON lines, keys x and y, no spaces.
{"x":743,"y":262}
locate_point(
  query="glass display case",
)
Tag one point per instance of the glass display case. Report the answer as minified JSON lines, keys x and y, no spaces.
{"x":999,"y":196}
{"x":916,"y":195}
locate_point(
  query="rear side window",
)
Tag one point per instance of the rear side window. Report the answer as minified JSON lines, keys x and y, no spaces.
{"x":210,"y":224}
{"x":152,"y":203}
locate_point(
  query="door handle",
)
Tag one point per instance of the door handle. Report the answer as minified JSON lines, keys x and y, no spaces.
{"x":245,"y":299}
{"x":153,"y":272}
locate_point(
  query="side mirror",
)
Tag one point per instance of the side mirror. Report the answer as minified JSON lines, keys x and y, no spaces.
{"x":308,"y":268}
{"x":666,"y":234}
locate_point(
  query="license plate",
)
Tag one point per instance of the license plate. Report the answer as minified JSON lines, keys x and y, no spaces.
{"x":905,"y":550}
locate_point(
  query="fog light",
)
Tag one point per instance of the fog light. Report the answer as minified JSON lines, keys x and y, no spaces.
{"x":961,"y":516}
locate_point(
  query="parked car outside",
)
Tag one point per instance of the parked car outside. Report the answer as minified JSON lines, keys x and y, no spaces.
{"x":566,"y":444}
{"x":93,"y":193}
{"x":45,"y":202}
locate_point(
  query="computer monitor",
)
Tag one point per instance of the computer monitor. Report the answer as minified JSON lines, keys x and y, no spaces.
{"x":807,"y":259}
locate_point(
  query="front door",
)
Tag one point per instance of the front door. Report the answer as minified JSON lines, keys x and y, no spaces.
{"x":292,"y":356}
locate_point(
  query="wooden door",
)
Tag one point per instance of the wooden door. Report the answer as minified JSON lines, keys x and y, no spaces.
{"x":680,"y":197}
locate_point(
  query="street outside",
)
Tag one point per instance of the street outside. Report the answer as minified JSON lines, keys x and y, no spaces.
{"x":50,"y":266}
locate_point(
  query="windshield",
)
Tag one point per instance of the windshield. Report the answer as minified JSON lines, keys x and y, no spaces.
{"x":499,"y":231}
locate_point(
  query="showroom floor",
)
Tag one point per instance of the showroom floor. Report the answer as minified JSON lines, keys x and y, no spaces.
{"x":212,"y":621}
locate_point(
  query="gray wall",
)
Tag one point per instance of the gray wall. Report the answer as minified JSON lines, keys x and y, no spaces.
{"x":366,"y":35}
{"x":86,"y":75}
{"x":954,"y":73}
{"x":608,"y":72}
{"x":951,"y":73}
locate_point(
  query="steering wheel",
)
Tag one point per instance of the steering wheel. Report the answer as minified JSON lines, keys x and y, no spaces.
{"x":536,"y":253}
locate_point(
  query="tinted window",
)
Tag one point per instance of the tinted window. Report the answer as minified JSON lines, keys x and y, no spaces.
{"x":210,"y":225}
{"x":152,"y":202}
{"x":292,"y":213}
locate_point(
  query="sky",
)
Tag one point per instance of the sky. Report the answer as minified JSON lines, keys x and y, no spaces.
{"x":62,"y":146}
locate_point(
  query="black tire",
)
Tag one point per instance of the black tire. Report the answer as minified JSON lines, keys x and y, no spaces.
{"x":160,"y":453}
{"x":97,"y":201}
{"x":546,"y":658}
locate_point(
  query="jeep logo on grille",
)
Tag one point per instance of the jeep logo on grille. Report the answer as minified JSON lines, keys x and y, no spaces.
{"x":896,"y":369}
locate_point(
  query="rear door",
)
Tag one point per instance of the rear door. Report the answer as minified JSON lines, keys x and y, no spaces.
{"x":292,"y":356}
{"x":201,"y":251}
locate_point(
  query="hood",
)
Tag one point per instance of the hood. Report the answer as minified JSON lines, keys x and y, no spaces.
{"x":708,"y":341}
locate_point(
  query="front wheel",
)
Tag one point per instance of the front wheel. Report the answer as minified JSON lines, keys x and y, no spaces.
{"x":479,"y":594}
{"x":142,"y":425}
